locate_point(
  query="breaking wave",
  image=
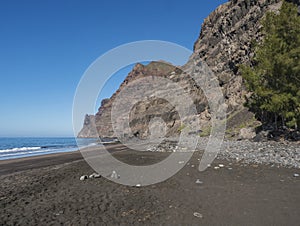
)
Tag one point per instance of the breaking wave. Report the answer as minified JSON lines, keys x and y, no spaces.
{"x":20,"y":149}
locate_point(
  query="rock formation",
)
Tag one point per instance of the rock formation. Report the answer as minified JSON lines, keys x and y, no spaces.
{"x":143,"y":112}
{"x":226,"y":41}
{"x":89,"y":129}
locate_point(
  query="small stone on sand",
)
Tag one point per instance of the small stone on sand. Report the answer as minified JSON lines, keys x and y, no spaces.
{"x":199,"y":215}
{"x":94,"y":175}
{"x":83,"y":177}
{"x":199,"y":181}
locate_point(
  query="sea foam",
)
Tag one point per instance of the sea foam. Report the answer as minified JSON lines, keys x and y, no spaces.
{"x":20,"y":149}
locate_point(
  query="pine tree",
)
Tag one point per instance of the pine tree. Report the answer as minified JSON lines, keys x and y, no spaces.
{"x":274,"y":77}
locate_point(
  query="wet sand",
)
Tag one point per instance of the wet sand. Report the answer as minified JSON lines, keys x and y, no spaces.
{"x":46,"y":190}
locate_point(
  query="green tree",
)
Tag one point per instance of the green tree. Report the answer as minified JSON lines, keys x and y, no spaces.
{"x":274,"y":76}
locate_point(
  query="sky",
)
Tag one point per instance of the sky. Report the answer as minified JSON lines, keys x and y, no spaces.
{"x":46,"y":46}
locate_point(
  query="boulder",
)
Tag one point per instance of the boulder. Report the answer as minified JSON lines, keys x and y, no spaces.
{"x":247,"y":133}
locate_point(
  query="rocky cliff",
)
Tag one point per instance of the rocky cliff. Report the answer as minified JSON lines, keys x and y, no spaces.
{"x":226,"y":41}
{"x":143,"y":112}
{"x":88,"y":130}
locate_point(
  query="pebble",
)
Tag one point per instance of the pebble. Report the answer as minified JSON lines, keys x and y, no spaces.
{"x":97,"y":175}
{"x":83,"y":177}
{"x":94,"y":175}
{"x":249,"y":152}
{"x":59,"y":213}
{"x":199,"y":181}
{"x":257,"y":153}
{"x":199,"y":215}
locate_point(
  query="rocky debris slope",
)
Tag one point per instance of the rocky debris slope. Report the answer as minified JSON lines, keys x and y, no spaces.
{"x":274,"y":153}
{"x":247,"y":152}
{"x":226,"y":41}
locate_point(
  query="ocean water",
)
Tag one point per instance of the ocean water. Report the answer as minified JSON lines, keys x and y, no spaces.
{"x":16,"y":147}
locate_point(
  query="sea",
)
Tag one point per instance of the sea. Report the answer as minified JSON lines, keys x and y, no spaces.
{"x":17,"y":147}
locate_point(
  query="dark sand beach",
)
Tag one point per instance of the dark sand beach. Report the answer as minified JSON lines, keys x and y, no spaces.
{"x":46,"y":190}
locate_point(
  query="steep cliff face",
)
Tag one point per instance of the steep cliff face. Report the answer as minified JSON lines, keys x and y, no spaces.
{"x":89,"y":129}
{"x":144,"y":111}
{"x":226,"y":41}
{"x":103,"y":116}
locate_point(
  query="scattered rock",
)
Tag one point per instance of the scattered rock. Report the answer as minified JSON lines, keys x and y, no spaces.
{"x":94,"y":175}
{"x":221,"y":165}
{"x":83,"y":177}
{"x":59,"y":213}
{"x":216,"y":167}
{"x":138,"y":185}
{"x":296,"y":175}
{"x":262,"y":136}
{"x":257,"y":153}
{"x":199,"y":215}
{"x":199,"y":181}
{"x":181,"y":162}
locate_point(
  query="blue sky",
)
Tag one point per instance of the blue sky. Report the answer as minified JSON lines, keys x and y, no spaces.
{"x":46,"y":46}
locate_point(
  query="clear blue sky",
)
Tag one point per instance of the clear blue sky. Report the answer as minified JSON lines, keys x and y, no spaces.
{"x":45,"y":47}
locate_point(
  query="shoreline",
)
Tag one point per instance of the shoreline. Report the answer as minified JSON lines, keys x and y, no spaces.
{"x":9,"y":166}
{"x":247,"y":152}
